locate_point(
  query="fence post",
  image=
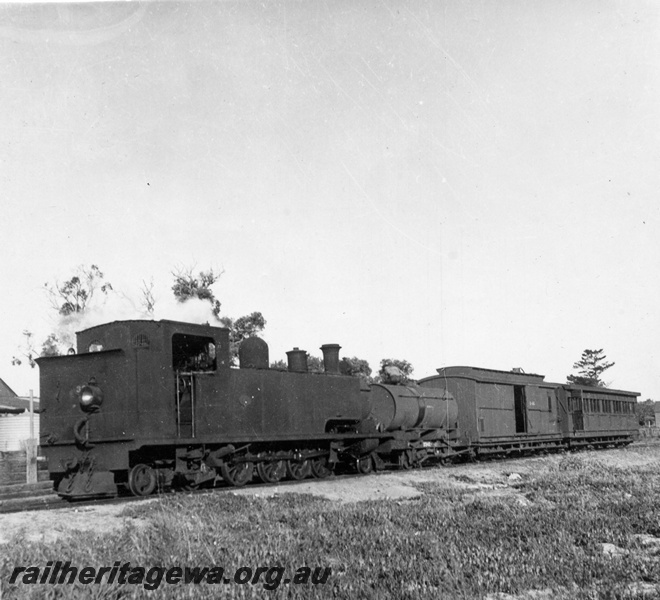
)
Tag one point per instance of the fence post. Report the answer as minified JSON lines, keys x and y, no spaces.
{"x":31,"y":448}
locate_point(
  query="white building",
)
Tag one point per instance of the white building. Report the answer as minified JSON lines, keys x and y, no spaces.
{"x":15,"y":419}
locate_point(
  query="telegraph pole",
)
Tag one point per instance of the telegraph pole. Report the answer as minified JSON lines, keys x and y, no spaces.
{"x":31,"y":449}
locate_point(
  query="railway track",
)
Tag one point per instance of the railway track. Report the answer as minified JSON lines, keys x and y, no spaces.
{"x":28,"y":496}
{"x":40,"y":500}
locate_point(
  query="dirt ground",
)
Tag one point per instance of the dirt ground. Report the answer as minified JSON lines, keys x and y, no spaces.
{"x":495,"y":478}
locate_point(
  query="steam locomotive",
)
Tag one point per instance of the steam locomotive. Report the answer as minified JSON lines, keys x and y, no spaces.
{"x":147,"y":406}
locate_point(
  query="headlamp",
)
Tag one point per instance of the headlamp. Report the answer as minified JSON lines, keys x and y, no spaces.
{"x":91,"y":396}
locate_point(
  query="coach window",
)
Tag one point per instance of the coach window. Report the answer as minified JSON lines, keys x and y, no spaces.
{"x":193,"y":353}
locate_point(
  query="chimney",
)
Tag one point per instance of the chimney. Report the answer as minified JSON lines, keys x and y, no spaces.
{"x":331,"y":357}
{"x":297,"y":360}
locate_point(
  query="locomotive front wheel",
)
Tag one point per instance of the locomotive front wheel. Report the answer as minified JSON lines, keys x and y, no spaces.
{"x":364,"y":465}
{"x":271,"y":472}
{"x":142,"y":480}
{"x":320,"y":467}
{"x":298,"y":470}
{"x":237,"y":474}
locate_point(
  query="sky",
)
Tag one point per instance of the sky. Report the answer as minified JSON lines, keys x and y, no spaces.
{"x":449,"y":183}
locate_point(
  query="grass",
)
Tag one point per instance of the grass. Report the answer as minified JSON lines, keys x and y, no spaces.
{"x":449,"y":543}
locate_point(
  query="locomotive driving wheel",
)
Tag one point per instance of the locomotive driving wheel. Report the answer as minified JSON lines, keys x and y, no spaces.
{"x":271,"y":471}
{"x":298,"y":469}
{"x":321,"y":467}
{"x":237,"y":473}
{"x":142,"y":480}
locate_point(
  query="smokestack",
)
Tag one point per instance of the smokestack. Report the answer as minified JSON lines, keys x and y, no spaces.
{"x":331,"y":357}
{"x":297,"y":360}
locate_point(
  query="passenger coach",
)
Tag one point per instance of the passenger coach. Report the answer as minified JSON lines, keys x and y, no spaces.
{"x":505,"y":411}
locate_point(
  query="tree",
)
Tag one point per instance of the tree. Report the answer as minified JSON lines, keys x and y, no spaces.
{"x":26,"y":350}
{"x":241,"y":328}
{"x":645,"y":412}
{"x":187,"y":286}
{"x":357,"y":367}
{"x":315,"y":364}
{"x":148,"y":300}
{"x":70,"y":300}
{"x":73,"y":296}
{"x":51,"y":346}
{"x":590,"y":367}
{"x":385,"y":375}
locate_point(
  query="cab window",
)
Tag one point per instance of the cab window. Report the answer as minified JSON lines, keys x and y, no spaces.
{"x":193,"y":353}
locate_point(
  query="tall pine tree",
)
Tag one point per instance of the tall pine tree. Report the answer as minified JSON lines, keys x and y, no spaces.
{"x":590,"y":367}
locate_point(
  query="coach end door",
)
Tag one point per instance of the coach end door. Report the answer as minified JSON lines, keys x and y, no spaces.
{"x":578,"y":412}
